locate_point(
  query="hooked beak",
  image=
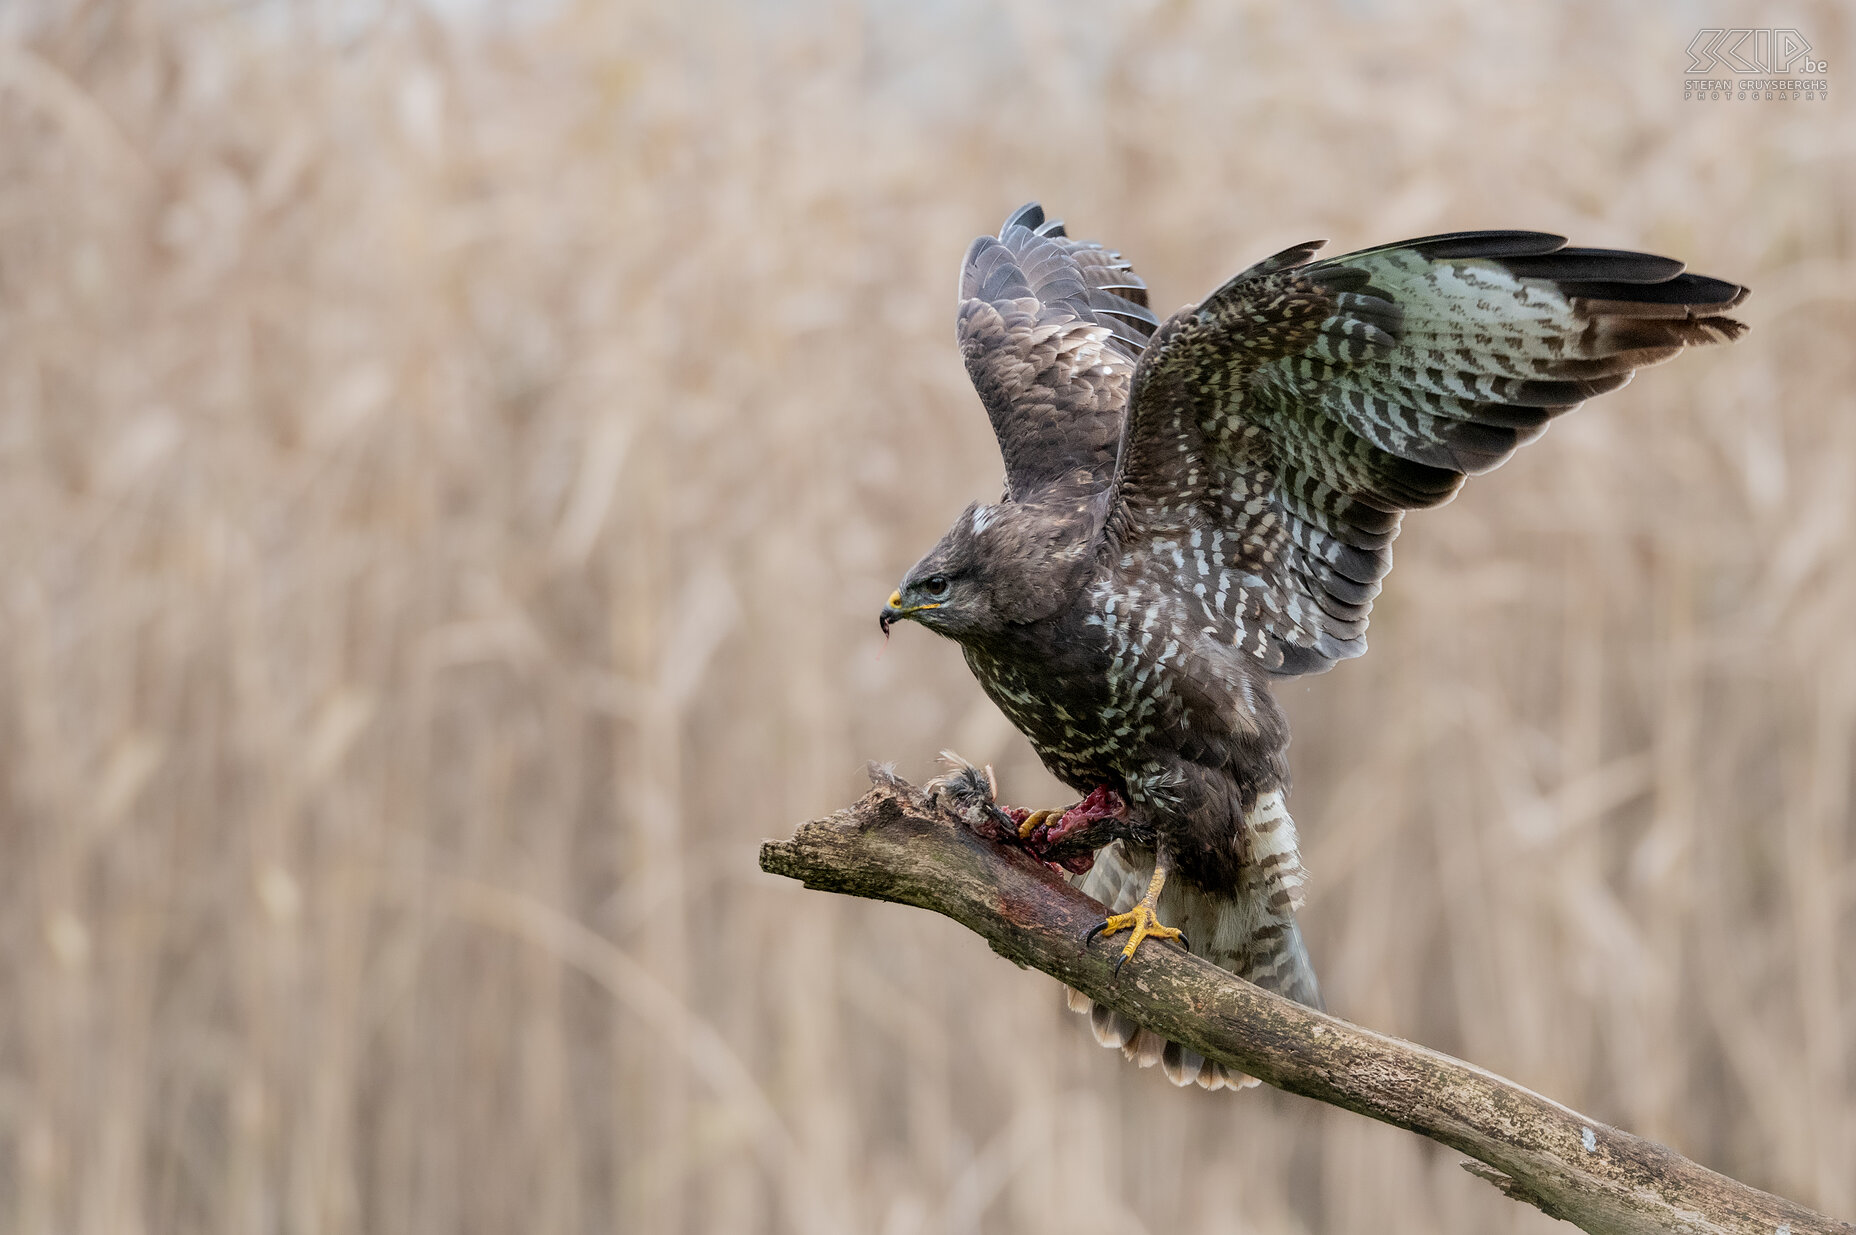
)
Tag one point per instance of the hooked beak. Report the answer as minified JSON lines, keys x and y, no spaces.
{"x":895,"y":611}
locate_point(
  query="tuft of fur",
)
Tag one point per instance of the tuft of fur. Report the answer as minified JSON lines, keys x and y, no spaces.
{"x":970,"y":793}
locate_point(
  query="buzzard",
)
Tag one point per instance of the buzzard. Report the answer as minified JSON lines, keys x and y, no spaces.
{"x":1197,"y":506}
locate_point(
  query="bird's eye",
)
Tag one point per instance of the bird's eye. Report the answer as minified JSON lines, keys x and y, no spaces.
{"x":936,"y":586}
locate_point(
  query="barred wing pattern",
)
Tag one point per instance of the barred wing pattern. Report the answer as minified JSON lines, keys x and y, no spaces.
{"x":1278,"y":431}
{"x":1051,"y":328}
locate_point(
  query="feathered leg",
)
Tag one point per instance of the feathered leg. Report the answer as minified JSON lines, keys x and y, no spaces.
{"x":1270,"y":888}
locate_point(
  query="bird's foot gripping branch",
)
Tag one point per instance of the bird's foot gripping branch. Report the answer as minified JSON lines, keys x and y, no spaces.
{"x":903,"y":844}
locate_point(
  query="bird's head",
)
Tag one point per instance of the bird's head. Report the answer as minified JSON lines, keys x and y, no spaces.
{"x":998,"y":565}
{"x":947,"y":591}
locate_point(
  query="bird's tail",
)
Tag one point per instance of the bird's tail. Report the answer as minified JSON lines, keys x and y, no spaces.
{"x":1250,"y":931}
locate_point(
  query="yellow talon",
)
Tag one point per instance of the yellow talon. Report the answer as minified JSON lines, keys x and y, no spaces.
{"x":1035,"y":818}
{"x":1141,"y":924}
{"x":1140,"y":921}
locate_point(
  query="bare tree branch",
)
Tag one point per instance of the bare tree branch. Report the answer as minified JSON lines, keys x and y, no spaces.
{"x":895,"y":845}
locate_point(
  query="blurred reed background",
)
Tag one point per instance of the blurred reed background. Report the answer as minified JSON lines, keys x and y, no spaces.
{"x":452,"y":461}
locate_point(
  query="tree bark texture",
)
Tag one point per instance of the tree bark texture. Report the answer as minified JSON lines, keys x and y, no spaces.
{"x":897,"y":845}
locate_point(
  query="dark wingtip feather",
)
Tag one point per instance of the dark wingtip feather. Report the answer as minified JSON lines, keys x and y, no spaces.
{"x":1498,"y":244}
{"x":1301,"y":662}
{"x":1523,"y":416}
{"x":1027,"y":216}
{"x":1606,"y":265}
{"x":1291,"y":257}
{"x":1341,"y":280}
{"x":1551,"y":393}
{"x":1696,"y":295}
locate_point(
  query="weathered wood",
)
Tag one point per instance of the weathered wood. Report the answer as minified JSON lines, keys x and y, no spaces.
{"x":895,"y":845}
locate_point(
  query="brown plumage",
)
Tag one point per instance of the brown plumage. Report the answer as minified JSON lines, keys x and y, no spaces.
{"x":1195,"y":507}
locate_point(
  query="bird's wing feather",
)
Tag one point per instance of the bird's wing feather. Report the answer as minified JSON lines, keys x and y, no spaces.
{"x":1050,"y":329}
{"x":1278,"y":432}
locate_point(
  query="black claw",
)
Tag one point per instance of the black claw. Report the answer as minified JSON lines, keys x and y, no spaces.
{"x":1095,"y":930}
{"x":1183,"y":941}
{"x":1119,"y":962}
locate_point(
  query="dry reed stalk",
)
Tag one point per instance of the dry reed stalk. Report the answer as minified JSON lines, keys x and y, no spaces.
{"x":374,"y":384}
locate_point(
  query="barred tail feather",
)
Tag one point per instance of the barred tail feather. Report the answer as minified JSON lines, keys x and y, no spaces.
{"x":1250,"y":931}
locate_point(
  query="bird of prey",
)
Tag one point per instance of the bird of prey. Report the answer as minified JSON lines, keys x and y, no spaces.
{"x":1197,"y":506}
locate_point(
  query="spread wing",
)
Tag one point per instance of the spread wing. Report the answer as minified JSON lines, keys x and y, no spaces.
{"x":1278,"y":432}
{"x":1051,"y":328}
